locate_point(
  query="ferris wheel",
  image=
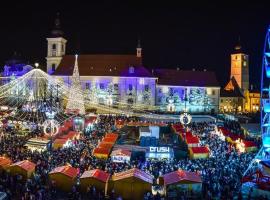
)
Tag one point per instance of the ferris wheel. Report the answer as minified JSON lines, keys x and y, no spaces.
{"x":265,"y":94}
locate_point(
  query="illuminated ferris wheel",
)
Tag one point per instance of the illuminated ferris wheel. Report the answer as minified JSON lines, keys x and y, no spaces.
{"x":265,"y":93}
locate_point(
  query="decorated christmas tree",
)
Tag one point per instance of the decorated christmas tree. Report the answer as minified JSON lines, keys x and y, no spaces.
{"x":76,"y":99}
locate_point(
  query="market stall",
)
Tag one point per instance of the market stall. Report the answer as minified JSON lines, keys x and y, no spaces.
{"x":101,"y":153}
{"x":38,"y":144}
{"x":121,"y":156}
{"x":4,"y":163}
{"x":97,"y":178}
{"x":159,"y":152}
{"x":198,"y":152}
{"x":131,"y":184}
{"x":192,"y":141}
{"x":250,"y":146}
{"x":61,"y":143}
{"x":64,"y":177}
{"x":188,"y":182}
{"x":24,"y":168}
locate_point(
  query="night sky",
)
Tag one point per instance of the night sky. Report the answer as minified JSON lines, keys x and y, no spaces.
{"x":199,"y":35}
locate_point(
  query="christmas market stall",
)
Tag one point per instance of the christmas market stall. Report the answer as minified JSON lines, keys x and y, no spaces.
{"x":121,"y":156}
{"x":24,"y":168}
{"x":250,"y":146}
{"x":198,"y":152}
{"x":97,"y":178}
{"x":64,"y":177}
{"x":4,"y":163}
{"x":180,"y":180}
{"x":131,"y":184}
{"x":38,"y":144}
{"x":192,"y":141}
{"x":101,"y":153}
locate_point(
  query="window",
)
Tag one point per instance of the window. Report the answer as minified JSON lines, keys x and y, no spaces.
{"x":131,"y":70}
{"x":146,"y":88}
{"x":221,"y":100}
{"x":53,"y":67}
{"x":115,"y":86}
{"x":130,"y":87}
{"x":245,"y":63}
{"x":101,"y":86}
{"x":87,"y":85}
{"x":62,"y":48}
{"x":54,"y":47}
{"x":213,"y":92}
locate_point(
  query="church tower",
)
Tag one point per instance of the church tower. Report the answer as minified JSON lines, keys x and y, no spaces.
{"x":240,"y":68}
{"x":139,"y":49}
{"x":56,"y":47}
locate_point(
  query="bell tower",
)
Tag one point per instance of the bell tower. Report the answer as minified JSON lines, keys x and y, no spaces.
{"x":240,"y":67}
{"x":56,"y":47}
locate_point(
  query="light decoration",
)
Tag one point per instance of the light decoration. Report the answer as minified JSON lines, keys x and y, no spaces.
{"x":240,"y":146}
{"x":50,"y":126}
{"x":76,"y":98}
{"x":185,"y":118}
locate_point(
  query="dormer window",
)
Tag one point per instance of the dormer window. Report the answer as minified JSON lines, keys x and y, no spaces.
{"x":131,"y":70}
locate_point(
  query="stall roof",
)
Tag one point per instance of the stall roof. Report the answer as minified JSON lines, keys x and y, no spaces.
{"x":60,"y":140}
{"x":192,"y":140}
{"x":101,"y":151}
{"x":133,"y":173}
{"x":250,"y":144}
{"x":111,"y":135}
{"x":200,"y":149}
{"x":123,"y":152}
{"x":25,"y":164}
{"x":105,"y":145}
{"x":181,"y":175}
{"x":5,"y":161}
{"x":66,"y":170}
{"x":109,"y":139}
{"x":97,"y":174}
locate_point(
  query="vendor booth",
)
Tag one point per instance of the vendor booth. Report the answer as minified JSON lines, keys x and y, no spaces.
{"x":250,"y":146}
{"x":24,"y":168}
{"x":198,"y":152}
{"x":64,"y":177}
{"x":149,"y":131}
{"x":121,"y":156}
{"x":97,"y":178}
{"x":160,"y":152}
{"x":38,"y":144}
{"x":101,"y":153}
{"x":183,"y":181}
{"x":4,"y":163}
{"x":61,"y":143}
{"x":192,"y":141}
{"x":131,"y":184}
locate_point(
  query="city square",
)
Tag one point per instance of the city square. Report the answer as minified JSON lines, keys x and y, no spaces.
{"x":80,"y":125}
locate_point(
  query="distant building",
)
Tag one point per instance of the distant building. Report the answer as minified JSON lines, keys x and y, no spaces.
{"x":237,"y":96}
{"x":122,"y":80}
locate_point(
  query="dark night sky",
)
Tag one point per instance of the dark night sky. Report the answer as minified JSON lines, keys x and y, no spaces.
{"x":187,"y":36}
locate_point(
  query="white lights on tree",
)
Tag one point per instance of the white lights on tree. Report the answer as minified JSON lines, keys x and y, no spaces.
{"x":76,"y":98}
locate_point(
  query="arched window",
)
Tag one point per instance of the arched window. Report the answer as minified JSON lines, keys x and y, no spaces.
{"x":54,"y":46}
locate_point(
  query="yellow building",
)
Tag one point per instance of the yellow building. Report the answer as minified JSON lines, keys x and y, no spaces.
{"x":252,"y":101}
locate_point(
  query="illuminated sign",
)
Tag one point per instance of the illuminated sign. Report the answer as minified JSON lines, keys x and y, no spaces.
{"x":159,"y":149}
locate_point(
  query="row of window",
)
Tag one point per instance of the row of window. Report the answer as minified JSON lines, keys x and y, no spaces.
{"x":102,"y":86}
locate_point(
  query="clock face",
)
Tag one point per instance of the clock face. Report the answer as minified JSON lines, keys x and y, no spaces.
{"x":185,"y":118}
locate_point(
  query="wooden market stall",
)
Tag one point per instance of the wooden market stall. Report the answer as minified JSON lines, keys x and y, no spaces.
{"x":198,"y":152}
{"x":131,"y":184}
{"x":192,"y":141}
{"x":4,"y":163}
{"x":97,"y":178}
{"x":64,"y":177}
{"x":121,"y":156}
{"x":188,"y":182}
{"x":102,"y":153}
{"x":24,"y":168}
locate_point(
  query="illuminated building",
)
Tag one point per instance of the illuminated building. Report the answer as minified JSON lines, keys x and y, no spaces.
{"x":231,"y":97}
{"x":252,"y":101}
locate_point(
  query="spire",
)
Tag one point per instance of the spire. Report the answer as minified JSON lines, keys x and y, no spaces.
{"x":57,"y":32}
{"x":139,"y":48}
{"x":238,"y":47}
{"x":75,"y":98}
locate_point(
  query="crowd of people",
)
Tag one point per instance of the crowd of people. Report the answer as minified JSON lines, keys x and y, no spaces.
{"x":221,"y":173}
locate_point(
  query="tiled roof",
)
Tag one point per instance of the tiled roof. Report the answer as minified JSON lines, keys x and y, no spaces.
{"x":97,"y":174}
{"x":133,"y":173}
{"x":25,"y":164}
{"x":186,"y":78}
{"x":200,"y":149}
{"x":232,"y":89}
{"x":181,"y":175}
{"x":66,"y":170}
{"x":103,"y":65}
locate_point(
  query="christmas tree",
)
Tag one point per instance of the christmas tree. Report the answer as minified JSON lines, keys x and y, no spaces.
{"x":75,"y":99}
